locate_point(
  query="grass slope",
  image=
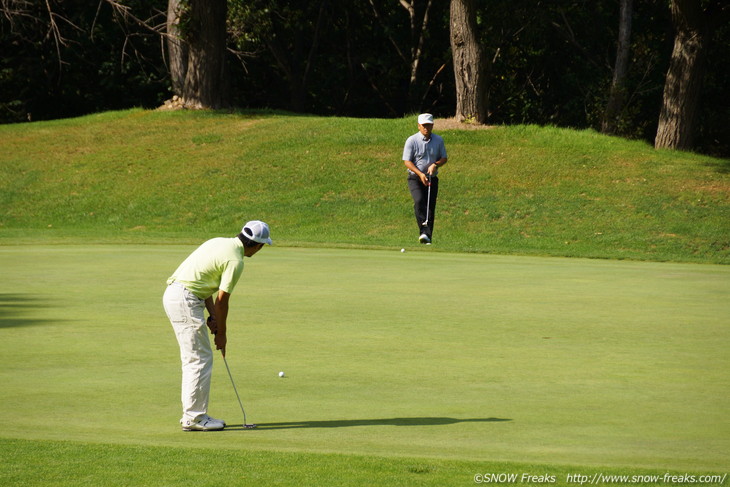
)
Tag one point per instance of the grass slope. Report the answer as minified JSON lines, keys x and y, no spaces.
{"x":142,"y":176}
{"x":506,"y":364}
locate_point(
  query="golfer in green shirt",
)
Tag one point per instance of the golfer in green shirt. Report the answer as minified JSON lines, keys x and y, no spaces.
{"x":212,"y":270}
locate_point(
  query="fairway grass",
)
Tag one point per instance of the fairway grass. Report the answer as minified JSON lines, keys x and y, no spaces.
{"x":69,"y":464}
{"x":499,"y":362}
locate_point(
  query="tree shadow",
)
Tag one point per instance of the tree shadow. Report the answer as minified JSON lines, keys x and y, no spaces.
{"x":348,"y":423}
{"x":16,"y":308}
{"x":721,"y":165}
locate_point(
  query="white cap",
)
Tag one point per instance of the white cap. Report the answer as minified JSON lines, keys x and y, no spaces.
{"x":425,"y":118}
{"x":257,"y":231}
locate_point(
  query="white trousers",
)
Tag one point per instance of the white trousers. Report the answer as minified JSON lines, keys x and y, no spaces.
{"x":187,"y":315}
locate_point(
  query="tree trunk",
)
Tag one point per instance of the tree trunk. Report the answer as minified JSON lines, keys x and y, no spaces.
{"x":418,"y":38}
{"x":177,"y":49}
{"x":683,"y":84}
{"x":206,"y":84}
{"x":469,"y":63}
{"x":617,"y":97}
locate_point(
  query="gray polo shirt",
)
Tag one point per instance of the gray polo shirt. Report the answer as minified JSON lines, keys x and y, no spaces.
{"x":422,"y":152}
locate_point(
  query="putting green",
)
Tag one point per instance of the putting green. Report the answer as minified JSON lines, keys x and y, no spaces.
{"x":424,"y":354}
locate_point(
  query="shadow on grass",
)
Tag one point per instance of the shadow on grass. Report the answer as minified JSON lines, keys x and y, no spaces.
{"x":721,"y":165}
{"x":16,"y":308}
{"x":347,"y":423}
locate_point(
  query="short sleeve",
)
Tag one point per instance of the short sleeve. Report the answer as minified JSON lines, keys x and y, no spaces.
{"x":231,"y":274}
{"x":408,"y":150}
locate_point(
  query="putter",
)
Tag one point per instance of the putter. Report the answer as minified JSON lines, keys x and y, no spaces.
{"x":428,"y":202}
{"x":245,"y":425}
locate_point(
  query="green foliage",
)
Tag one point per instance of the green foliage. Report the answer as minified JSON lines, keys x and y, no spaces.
{"x":92,"y":62}
{"x":551,"y":62}
{"x":152,"y":176}
{"x":352,"y":63}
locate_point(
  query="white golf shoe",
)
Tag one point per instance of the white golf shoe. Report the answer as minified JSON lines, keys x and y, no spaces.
{"x":203,"y":423}
{"x":424,"y":239}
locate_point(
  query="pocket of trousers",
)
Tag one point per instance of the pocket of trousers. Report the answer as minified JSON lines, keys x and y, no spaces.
{"x":175,"y":303}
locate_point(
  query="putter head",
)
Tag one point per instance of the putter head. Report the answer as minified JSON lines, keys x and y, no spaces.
{"x":250,"y":426}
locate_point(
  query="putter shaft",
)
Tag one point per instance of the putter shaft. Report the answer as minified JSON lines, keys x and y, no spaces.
{"x":245,"y":424}
{"x":428,"y":203}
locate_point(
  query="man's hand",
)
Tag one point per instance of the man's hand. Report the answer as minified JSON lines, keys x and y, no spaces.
{"x":220,"y":342}
{"x":220,"y":338}
{"x":221,"y":317}
{"x":212,"y":325}
{"x":424,"y":179}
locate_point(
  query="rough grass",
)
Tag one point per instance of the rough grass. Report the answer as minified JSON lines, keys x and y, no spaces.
{"x":145,"y":176}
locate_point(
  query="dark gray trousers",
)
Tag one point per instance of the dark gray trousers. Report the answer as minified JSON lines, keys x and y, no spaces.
{"x":419,"y":193}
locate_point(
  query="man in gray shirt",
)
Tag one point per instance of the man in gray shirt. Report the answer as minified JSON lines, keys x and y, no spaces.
{"x":423,"y":154}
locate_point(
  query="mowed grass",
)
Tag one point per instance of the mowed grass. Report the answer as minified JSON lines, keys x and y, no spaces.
{"x":501,"y":364}
{"x":142,"y":176}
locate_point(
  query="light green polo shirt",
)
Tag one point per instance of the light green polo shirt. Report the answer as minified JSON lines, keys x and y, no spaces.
{"x":216,"y":264}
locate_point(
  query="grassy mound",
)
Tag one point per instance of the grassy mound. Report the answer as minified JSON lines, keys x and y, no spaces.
{"x":145,"y":176}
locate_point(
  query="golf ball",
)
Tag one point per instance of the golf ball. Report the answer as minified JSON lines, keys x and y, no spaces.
{"x":281,"y":374}
{"x":402,"y":250}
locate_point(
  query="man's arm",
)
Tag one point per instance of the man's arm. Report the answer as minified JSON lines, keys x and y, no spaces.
{"x":432,"y":168}
{"x":210,"y":306}
{"x":442,"y":153}
{"x":410,"y":165}
{"x":220,"y":316}
{"x":408,"y":153}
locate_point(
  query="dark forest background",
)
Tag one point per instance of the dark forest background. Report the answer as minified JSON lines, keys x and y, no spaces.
{"x":549,"y":62}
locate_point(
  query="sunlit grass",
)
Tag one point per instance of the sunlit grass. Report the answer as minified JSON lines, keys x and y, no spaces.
{"x":146,"y":176}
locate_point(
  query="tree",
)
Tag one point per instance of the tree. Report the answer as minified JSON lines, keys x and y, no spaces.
{"x":197,"y":50}
{"x":617,"y":95}
{"x":368,"y":58}
{"x":290,"y":31}
{"x":693,"y":25}
{"x":177,"y":50}
{"x":469,"y":63}
{"x":418,"y":33}
{"x":63,"y":59}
